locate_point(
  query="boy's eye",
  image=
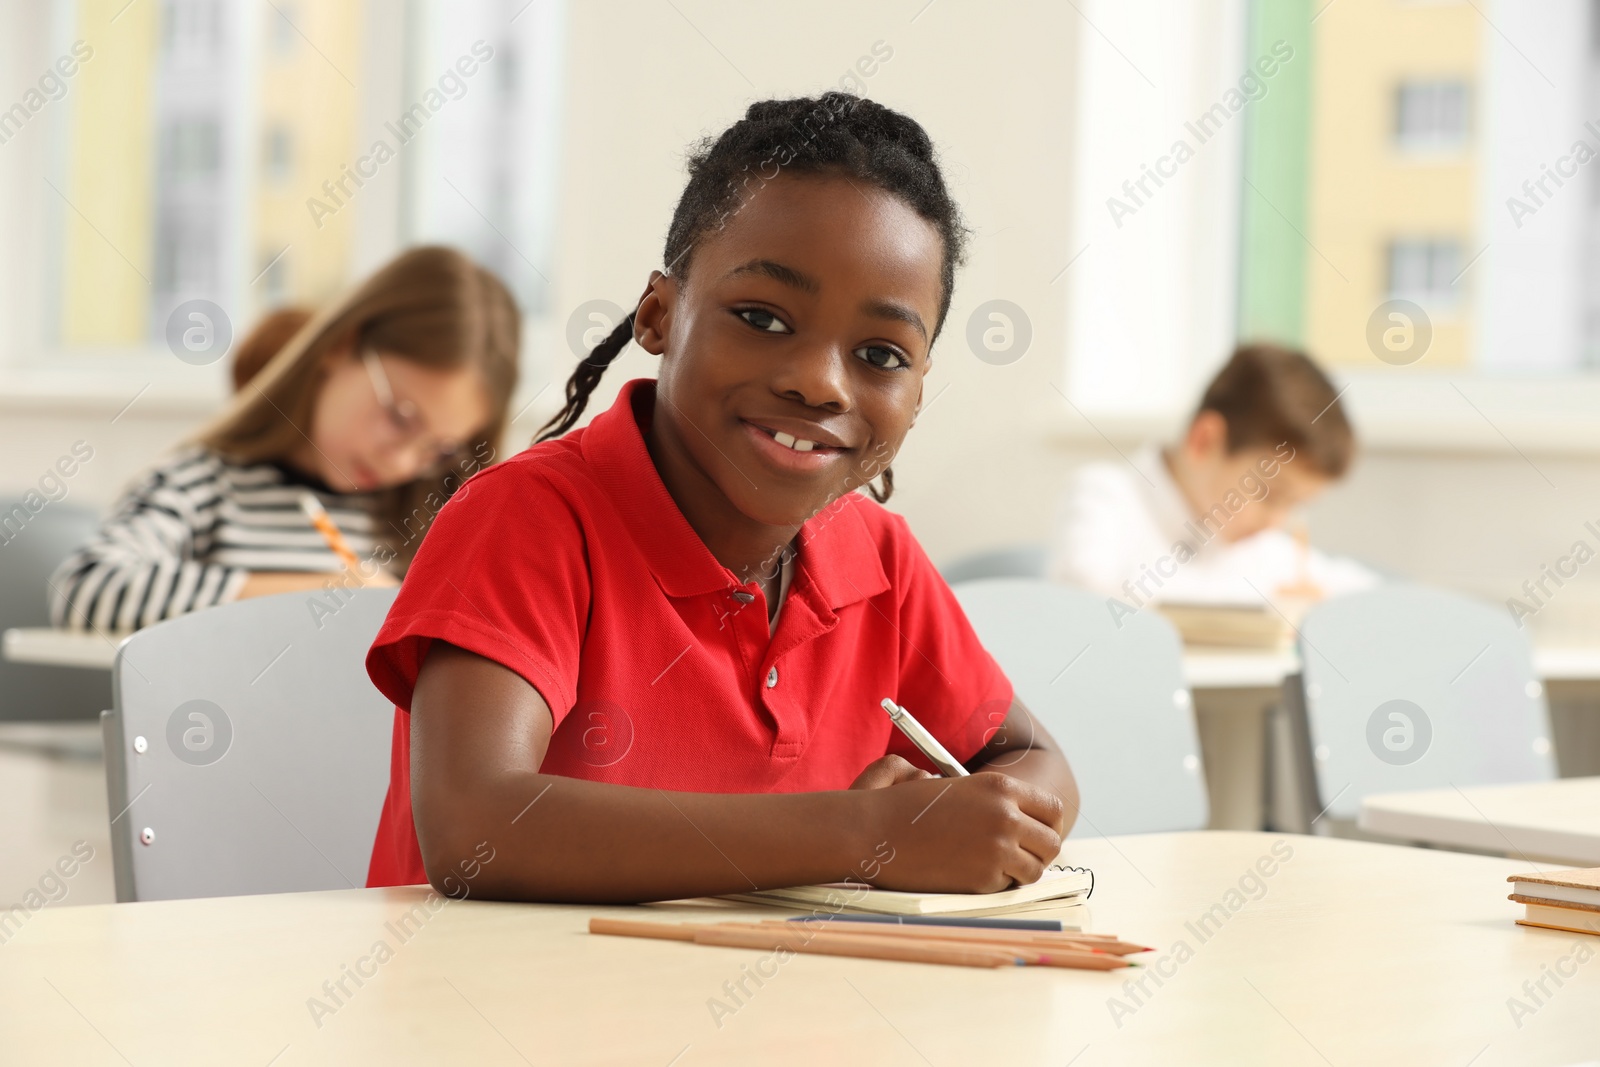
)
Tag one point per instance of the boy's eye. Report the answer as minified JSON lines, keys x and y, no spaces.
{"x":764,"y":320}
{"x":882,"y":356}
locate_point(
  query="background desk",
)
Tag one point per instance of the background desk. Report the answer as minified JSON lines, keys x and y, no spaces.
{"x":1562,"y":660}
{"x":1353,"y":954}
{"x":59,"y":648}
{"x":1546,"y":821}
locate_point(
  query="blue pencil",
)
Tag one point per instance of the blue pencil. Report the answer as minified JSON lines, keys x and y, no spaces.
{"x":940,"y":920}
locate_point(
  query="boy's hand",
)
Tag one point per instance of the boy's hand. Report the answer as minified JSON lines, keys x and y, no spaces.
{"x":978,"y":834}
{"x":888,"y":770}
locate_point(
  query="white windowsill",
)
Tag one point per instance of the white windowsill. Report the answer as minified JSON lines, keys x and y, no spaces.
{"x":1412,"y":413}
{"x":133,"y":385}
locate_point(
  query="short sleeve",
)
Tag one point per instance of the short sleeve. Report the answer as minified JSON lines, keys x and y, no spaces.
{"x":948,"y":680}
{"x":502,"y":573}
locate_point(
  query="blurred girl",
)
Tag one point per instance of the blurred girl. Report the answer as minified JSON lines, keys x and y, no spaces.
{"x":379,"y":408}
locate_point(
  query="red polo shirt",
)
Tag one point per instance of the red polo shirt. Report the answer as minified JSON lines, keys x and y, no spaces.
{"x":571,"y":565}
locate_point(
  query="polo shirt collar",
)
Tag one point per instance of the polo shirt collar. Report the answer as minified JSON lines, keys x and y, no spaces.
{"x":838,"y":555}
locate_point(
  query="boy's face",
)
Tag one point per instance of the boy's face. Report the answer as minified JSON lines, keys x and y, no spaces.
{"x":1266,"y":485}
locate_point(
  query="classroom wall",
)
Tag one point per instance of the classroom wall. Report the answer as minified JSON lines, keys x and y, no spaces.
{"x":994,"y":85}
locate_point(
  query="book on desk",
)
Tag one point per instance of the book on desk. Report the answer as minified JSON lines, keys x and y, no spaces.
{"x":1559,"y":900}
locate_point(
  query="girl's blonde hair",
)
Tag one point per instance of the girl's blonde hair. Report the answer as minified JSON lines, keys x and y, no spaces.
{"x":430,"y":305}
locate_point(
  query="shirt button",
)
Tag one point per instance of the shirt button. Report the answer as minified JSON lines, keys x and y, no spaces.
{"x":744,"y":597}
{"x":772,"y":676}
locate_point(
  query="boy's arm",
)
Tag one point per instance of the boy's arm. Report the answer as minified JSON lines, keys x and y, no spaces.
{"x":479,"y":734}
{"x":1024,"y":749}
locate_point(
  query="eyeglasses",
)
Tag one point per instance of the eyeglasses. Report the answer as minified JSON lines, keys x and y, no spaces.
{"x":404,"y":418}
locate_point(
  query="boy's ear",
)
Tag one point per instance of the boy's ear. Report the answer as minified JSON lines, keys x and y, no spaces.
{"x":1208,"y":435}
{"x":652,"y":323}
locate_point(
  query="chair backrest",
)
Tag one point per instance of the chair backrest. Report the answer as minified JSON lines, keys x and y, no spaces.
{"x":1013,"y":561}
{"x":248,"y":752}
{"x":1111,"y":694}
{"x":1406,"y":687}
{"x":32,"y":545}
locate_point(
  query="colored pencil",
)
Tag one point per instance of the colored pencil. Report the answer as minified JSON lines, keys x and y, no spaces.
{"x":882,"y":943}
{"x":1017,"y":937}
{"x":1045,"y":925}
{"x":326,"y":527}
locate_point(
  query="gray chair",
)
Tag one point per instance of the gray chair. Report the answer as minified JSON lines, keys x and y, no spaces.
{"x":1405,"y":687}
{"x":1112,"y":696}
{"x":248,"y":752}
{"x":1013,"y":561}
{"x":29,"y":552}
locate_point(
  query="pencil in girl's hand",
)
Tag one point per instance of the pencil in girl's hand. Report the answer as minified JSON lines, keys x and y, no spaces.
{"x":325,"y":526}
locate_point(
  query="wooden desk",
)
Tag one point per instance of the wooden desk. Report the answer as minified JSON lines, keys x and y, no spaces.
{"x":1548,"y":821}
{"x":1353,"y":954}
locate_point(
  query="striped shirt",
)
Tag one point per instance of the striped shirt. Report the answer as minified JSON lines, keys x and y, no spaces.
{"x":188,"y":535}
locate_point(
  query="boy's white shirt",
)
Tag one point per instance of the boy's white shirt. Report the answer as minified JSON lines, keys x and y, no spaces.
{"x":1118,"y":522}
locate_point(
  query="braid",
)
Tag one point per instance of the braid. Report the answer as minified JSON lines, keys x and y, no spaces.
{"x":586,"y":377}
{"x":835,"y":133}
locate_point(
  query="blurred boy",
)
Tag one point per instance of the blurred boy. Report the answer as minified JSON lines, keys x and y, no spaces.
{"x":1203,"y":520}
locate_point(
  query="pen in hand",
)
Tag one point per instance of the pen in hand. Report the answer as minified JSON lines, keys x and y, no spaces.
{"x":926,"y":743}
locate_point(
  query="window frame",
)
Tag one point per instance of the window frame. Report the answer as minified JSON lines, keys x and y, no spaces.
{"x":1488,"y":407}
{"x":36,"y":374}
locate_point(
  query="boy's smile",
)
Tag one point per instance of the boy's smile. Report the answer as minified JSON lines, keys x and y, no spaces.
{"x":793,"y":353}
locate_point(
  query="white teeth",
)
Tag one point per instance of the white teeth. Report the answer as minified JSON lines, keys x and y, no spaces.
{"x":790,"y":441}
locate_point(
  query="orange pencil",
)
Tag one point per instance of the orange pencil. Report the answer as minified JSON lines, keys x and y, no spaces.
{"x":879,"y":948}
{"x":736,"y":935}
{"x":1039,"y":939}
{"x":1042,"y":954}
{"x":330,"y":533}
{"x":909,"y":945}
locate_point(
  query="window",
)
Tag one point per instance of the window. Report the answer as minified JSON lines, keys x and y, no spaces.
{"x":192,"y":146}
{"x":278,"y":156}
{"x":1425,"y":272}
{"x":282,"y":33}
{"x":273,"y":278}
{"x":485,"y":172}
{"x":1438,"y":165}
{"x":222,"y":151}
{"x":1379,"y":150}
{"x":1430,"y":116}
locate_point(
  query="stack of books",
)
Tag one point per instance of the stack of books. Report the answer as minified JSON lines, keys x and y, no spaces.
{"x":1252,"y":626}
{"x":1560,"y":900}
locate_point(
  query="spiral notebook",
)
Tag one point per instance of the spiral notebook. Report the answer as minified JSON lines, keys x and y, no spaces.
{"x":1060,"y":886}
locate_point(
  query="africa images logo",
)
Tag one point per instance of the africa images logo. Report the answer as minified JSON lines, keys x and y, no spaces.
{"x":1399,"y":732}
{"x":199,"y":732}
